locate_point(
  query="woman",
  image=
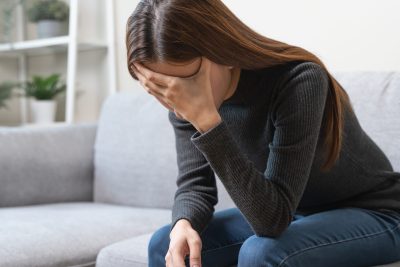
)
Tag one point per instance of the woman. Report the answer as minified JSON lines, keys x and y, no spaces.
{"x":310,"y":186}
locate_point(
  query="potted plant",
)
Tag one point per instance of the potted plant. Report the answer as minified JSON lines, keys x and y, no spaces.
{"x":5,"y":93}
{"x":42,"y":91}
{"x":49,"y":16}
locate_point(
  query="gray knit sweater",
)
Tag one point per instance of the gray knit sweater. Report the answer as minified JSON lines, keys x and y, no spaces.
{"x":267,"y":151}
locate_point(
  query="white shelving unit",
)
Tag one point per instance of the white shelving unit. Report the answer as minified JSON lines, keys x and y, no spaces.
{"x":71,"y":44}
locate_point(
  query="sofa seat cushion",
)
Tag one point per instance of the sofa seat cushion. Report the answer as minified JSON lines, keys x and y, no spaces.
{"x":131,"y":252}
{"x":71,"y":233}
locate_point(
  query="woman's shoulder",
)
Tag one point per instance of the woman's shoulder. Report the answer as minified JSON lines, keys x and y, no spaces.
{"x":296,"y":68}
{"x":286,"y":71}
{"x":301,"y":72}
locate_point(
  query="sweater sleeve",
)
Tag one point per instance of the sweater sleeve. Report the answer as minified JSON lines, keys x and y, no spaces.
{"x":268,"y":200}
{"x":196,"y":195}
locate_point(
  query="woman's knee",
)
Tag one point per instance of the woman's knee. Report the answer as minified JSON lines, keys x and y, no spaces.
{"x":261,"y":251}
{"x":158,"y":246}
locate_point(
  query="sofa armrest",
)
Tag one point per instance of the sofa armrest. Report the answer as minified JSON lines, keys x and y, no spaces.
{"x":46,"y":165}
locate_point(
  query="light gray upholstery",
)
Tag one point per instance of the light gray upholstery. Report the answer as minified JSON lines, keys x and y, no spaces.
{"x":46,"y":165}
{"x":69,"y":234}
{"x":135,"y":162}
{"x":120,"y":253}
{"x":95,"y":194}
{"x":135,"y":158}
{"x":376,"y":100}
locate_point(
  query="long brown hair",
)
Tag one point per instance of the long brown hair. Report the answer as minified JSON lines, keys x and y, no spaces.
{"x":181,"y":30}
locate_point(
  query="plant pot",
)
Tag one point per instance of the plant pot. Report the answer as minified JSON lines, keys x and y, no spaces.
{"x":43,"y":111}
{"x":49,"y":28}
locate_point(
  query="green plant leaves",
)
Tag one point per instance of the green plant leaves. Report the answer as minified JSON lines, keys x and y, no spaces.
{"x":44,"y":88}
{"x":6,"y":93}
{"x":48,"y":9}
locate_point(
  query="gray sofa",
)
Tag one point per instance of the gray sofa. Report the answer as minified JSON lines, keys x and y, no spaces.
{"x":93,"y":194}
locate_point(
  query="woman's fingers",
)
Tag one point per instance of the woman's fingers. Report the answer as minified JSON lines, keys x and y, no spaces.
{"x":195,"y":252}
{"x":148,"y":87}
{"x":151,"y":88}
{"x":153,"y":92}
{"x":168,"y":259}
{"x":152,"y":76}
{"x":177,"y":259}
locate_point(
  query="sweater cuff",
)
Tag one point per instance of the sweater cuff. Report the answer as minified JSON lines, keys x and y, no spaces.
{"x":183,"y":210}
{"x":207,"y":140}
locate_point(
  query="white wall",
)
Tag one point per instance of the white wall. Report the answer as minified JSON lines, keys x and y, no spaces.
{"x":346,"y":35}
{"x":123,"y":9}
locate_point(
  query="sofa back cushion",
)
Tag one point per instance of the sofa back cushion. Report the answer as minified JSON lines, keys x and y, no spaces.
{"x":134,"y":152}
{"x":376,"y":100}
{"x":135,"y":156}
{"x":46,"y":165}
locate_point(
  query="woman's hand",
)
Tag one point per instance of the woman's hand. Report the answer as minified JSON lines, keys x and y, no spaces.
{"x":184,"y":240}
{"x":191,"y":98}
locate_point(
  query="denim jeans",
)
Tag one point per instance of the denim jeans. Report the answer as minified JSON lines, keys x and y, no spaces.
{"x":345,"y":237}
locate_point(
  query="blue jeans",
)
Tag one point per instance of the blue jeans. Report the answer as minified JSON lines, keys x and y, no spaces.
{"x":344,"y":237}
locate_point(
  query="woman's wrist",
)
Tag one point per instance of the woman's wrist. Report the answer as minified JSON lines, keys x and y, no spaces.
{"x":208,"y":121}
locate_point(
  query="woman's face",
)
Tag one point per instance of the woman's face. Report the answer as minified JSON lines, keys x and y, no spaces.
{"x":220,"y":75}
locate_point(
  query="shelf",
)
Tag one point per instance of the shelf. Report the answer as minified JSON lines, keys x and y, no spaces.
{"x":45,"y":125}
{"x":90,"y":28}
{"x":35,"y":125}
{"x":44,"y":46}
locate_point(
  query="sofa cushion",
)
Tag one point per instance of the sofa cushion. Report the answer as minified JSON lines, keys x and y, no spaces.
{"x":130,"y":252}
{"x":135,"y":156}
{"x":46,"y":165}
{"x":70,"y":234}
{"x":376,"y":100}
{"x":135,"y":159}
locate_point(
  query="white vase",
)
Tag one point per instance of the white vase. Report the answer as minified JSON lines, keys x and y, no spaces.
{"x":43,"y":111}
{"x":49,"y":28}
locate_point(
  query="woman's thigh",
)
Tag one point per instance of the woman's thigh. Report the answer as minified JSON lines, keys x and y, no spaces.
{"x":221,"y":240}
{"x":340,"y":237}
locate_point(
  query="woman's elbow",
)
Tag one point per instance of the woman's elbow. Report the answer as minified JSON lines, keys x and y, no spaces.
{"x":276,"y":230}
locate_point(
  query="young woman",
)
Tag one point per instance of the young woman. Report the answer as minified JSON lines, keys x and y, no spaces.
{"x":310,"y":186}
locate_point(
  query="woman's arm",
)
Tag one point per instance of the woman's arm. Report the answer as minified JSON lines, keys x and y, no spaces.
{"x":196,"y":195}
{"x":268,"y":200}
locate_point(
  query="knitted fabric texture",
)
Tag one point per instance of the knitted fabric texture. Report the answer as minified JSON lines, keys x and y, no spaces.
{"x":267,"y":151}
